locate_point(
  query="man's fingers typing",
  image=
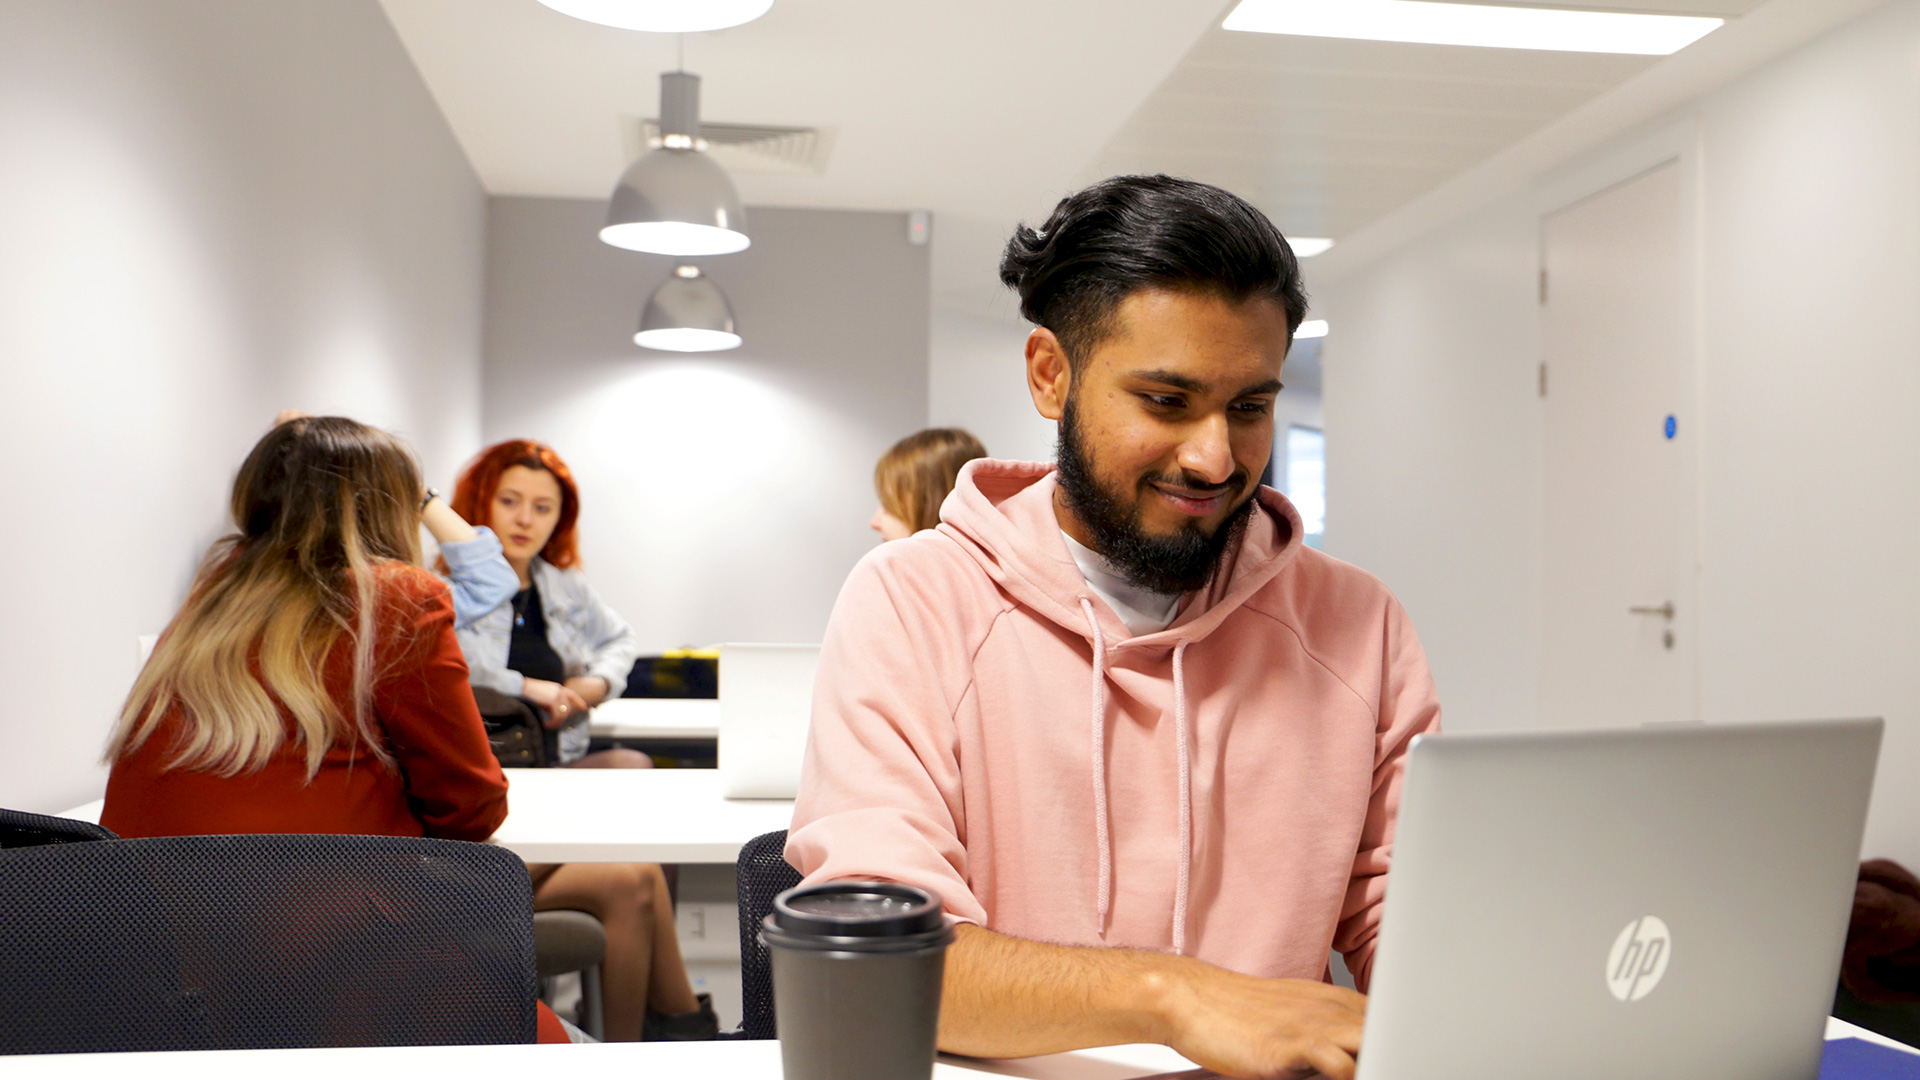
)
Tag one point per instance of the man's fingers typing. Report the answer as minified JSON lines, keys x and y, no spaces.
{"x":1331,"y":1060}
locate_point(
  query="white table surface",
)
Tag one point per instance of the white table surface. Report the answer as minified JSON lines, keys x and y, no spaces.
{"x":656,"y":718}
{"x":614,"y":1061}
{"x":619,"y":815}
{"x":631,"y":815}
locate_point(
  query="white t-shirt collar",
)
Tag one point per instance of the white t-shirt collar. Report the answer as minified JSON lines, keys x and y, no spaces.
{"x":1142,"y":610}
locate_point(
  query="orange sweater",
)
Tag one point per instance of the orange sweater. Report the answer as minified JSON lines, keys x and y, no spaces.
{"x":447,"y":783}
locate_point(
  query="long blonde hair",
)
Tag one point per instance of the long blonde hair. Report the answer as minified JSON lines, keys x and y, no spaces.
{"x":916,"y":474}
{"x":321,"y":504}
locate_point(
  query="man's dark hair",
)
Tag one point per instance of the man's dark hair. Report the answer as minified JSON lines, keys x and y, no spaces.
{"x":1127,"y":233}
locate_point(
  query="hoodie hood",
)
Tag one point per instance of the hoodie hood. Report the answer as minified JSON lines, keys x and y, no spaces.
{"x":1002,"y":514}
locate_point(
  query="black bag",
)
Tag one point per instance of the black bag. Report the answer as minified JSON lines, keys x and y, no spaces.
{"x":514,"y":729}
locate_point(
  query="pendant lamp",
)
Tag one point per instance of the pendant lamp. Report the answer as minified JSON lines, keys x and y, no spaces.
{"x":664,"y":16}
{"x":675,"y":200}
{"x":687,"y":313}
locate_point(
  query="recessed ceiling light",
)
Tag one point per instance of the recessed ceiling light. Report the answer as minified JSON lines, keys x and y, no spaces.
{"x":1428,"y":23}
{"x":1312,"y":328}
{"x":1306,"y":247}
{"x":664,"y":16}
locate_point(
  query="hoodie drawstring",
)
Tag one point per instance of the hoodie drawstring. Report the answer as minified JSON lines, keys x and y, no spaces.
{"x":1186,"y":799}
{"x":1103,"y":840}
{"x":1100,"y":828}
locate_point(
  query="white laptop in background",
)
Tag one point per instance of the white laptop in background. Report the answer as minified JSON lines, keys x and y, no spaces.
{"x":766,"y":702}
{"x":1660,"y":903}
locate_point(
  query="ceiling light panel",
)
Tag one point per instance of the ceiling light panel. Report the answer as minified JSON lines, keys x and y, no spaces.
{"x":1427,"y":23}
{"x":1306,"y":247}
{"x":664,"y":16}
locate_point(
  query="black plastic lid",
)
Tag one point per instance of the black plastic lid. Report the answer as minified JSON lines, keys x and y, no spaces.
{"x":857,"y":909}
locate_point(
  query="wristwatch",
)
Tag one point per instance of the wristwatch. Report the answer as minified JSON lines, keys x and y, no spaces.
{"x":432,"y":494}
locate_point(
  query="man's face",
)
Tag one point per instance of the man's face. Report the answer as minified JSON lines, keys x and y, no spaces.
{"x":1165,"y":429}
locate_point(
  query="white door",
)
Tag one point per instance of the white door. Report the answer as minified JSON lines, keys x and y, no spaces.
{"x":1620,"y":543}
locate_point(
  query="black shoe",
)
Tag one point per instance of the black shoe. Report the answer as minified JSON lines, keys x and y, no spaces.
{"x":696,"y":1026}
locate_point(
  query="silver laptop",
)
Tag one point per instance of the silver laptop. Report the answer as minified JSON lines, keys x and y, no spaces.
{"x":766,"y":700}
{"x":1654,"y":903}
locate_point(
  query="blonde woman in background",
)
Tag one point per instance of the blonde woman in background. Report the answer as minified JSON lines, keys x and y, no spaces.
{"x":915,"y":476}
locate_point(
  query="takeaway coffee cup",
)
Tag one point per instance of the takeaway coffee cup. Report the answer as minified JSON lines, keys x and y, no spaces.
{"x":856,"y":979}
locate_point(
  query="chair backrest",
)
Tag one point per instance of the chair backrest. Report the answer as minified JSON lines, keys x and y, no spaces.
{"x":21,"y":829}
{"x":245,"y":942}
{"x":763,"y":874}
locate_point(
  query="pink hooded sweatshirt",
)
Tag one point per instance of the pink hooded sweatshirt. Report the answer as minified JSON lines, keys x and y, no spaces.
{"x":985,"y":727}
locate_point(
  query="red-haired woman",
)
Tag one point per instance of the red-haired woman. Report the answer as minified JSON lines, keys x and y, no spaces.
{"x":558,"y":644}
{"x":555,"y":643}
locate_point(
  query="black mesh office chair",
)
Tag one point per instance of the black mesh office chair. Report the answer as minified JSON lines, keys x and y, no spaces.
{"x":240,"y":942}
{"x":762,"y":874}
{"x":21,"y":829}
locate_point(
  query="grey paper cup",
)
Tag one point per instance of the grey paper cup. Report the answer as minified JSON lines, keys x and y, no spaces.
{"x":856,"y":979}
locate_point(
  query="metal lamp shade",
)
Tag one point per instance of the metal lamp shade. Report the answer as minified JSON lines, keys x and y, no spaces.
{"x":664,"y":16}
{"x":687,"y":313}
{"x":676,"y":202}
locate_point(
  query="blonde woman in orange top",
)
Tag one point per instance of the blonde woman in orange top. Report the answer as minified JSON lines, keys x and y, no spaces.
{"x":311,"y":683}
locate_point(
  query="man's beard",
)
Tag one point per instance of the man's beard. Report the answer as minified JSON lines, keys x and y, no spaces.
{"x":1169,"y":565}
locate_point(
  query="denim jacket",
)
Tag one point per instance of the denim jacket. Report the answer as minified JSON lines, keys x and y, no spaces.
{"x":479,"y":576}
{"x":589,"y":636}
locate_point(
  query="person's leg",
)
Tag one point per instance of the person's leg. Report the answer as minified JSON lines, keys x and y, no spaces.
{"x":669,"y":990}
{"x":622,"y":897}
{"x":618,"y":758}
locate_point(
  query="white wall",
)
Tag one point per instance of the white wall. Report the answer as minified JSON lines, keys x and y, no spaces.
{"x":724,"y":495}
{"x":1433,"y":453}
{"x":977,"y":359}
{"x":977,"y":379}
{"x":212,"y":210}
{"x":1810,"y":513}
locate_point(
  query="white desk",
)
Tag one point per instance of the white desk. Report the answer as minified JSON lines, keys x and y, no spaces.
{"x":613,"y":1061}
{"x":743,"y":1060}
{"x":619,"y":815}
{"x":631,"y":815}
{"x":656,"y":718}
{"x":87,"y":812}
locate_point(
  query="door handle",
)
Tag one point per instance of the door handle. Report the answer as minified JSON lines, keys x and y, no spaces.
{"x":1665,"y":611}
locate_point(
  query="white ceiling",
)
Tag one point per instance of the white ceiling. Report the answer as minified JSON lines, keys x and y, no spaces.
{"x":986,"y":107}
{"x":987,"y":111}
{"x":1328,"y":135}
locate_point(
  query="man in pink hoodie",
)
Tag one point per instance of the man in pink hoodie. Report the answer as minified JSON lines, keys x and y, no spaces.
{"x":1144,"y":744}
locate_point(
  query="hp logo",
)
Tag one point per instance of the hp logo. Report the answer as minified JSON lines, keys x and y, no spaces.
{"x":1639,"y":958}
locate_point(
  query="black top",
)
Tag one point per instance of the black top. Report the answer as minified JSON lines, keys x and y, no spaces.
{"x":528,"y":651}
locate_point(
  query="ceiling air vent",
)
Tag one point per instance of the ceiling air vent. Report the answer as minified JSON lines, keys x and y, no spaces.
{"x":762,"y":148}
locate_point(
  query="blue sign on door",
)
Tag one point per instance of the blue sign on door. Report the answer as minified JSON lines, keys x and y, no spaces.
{"x":1672,"y":426}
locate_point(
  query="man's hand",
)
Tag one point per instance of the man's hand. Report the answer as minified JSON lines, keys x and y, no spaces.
{"x":559,"y":701}
{"x":1005,"y":997}
{"x":1238,"y":1025}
